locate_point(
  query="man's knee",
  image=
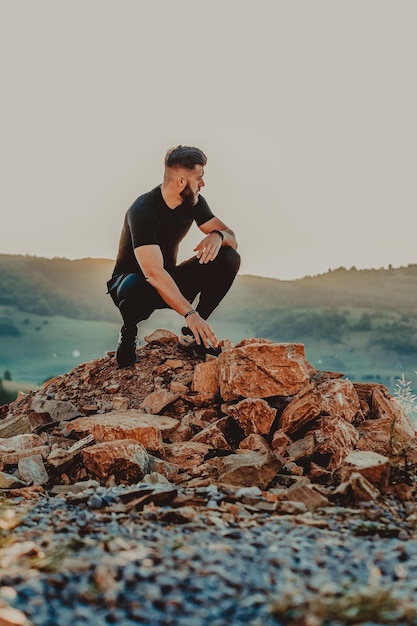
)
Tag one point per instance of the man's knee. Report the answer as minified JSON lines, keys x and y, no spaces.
{"x":229,"y":258}
{"x":130,"y":287}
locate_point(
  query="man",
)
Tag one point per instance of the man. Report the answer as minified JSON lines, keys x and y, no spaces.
{"x":146,"y":275}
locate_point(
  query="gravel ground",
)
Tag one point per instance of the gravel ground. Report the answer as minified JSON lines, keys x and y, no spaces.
{"x":104,"y":560}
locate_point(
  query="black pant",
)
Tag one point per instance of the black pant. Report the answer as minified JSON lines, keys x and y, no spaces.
{"x":137,"y":299}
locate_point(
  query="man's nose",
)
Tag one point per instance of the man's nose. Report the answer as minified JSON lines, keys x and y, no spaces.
{"x":202,"y":183}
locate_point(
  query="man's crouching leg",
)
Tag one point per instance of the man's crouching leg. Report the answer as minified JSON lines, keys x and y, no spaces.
{"x":130,"y":292}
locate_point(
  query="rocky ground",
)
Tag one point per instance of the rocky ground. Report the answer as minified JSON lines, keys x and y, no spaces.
{"x":205,"y":557}
{"x":177,"y":526}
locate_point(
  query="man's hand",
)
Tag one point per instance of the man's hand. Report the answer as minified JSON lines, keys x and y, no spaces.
{"x":202,"y":331}
{"x":208,"y":248}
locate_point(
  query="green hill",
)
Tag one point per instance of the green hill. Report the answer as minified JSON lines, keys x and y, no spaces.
{"x":55,"y":313}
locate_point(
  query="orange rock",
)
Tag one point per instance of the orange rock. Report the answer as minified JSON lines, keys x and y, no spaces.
{"x":254,"y":415}
{"x":340,"y":399}
{"x":125,"y":459}
{"x":263,"y":370}
{"x":143,"y":427}
{"x":206,"y":377}
{"x":303,"y":409}
{"x":373,"y":466}
{"x":186,"y":454}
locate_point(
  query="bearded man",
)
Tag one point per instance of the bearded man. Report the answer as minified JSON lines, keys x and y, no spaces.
{"x":146,"y":275}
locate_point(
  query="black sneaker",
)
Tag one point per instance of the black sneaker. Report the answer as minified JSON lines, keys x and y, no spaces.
{"x":126,"y":347}
{"x":187,"y":342}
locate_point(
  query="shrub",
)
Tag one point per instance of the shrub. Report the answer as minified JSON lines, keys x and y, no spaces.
{"x":8,"y":328}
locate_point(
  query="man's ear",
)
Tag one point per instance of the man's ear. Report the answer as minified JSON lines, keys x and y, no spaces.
{"x":181,"y":182}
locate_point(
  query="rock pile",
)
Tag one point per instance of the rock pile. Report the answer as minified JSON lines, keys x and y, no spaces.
{"x":258,"y":416}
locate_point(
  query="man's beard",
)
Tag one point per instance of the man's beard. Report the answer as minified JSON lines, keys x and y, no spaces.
{"x":189,"y":198}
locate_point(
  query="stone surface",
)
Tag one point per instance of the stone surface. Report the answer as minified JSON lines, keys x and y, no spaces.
{"x":280,"y":441}
{"x":303,"y":491}
{"x":126,"y":459}
{"x":254,"y":415}
{"x":214,"y":435}
{"x":186,"y":454}
{"x":303,"y":409}
{"x":335,"y":437}
{"x":340,"y":399}
{"x":58,"y":410}
{"x":256,"y":443}
{"x":371,"y":465}
{"x":248,"y":469}
{"x":356,"y":489}
{"x":143,"y":427}
{"x":32,"y":470}
{"x":206,"y":377}
{"x":262,"y":370}
{"x":15,"y":425}
{"x":158,"y":400}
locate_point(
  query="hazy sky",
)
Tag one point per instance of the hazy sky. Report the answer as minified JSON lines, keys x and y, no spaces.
{"x":307,"y":110}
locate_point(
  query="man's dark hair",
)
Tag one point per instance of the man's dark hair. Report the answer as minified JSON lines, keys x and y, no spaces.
{"x":185,"y":156}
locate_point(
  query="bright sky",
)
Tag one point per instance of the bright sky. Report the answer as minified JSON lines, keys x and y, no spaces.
{"x":306,"y":109}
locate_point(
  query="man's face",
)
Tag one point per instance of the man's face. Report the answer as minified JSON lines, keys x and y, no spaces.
{"x":195,"y":182}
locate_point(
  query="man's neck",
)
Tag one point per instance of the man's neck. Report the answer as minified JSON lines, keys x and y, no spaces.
{"x":171,"y":198}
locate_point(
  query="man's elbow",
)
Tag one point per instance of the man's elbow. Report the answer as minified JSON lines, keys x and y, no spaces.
{"x":153,"y":276}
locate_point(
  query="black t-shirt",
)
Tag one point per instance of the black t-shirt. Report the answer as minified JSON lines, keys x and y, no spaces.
{"x":150,"y":221}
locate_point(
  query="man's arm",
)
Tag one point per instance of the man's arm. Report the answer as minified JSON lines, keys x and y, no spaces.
{"x":151,"y":263}
{"x":209,"y":247}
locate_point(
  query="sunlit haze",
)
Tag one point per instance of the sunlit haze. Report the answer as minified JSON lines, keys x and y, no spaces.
{"x":306,"y":111}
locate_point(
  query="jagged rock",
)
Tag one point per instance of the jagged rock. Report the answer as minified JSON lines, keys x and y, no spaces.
{"x":15,"y":425}
{"x":59,"y":410}
{"x":302,"y":448}
{"x":143,"y":427}
{"x":167,"y":366}
{"x":186,"y":454}
{"x":32,"y":470}
{"x":280,"y":441}
{"x":177,"y":386}
{"x":356,"y":489}
{"x":158,"y":400}
{"x":202,"y":399}
{"x":161,"y":337}
{"x":19,"y":446}
{"x":125,"y":459}
{"x":185,"y":430}
{"x":303,"y":409}
{"x":371,"y":465}
{"x":340,"y":399}
{"x":206,"y":377}
{"x":64,"y":458}
{"x":120,"y":404}
{"x":303,"y":491}
{"x":214,"y":435}
{"x":335,"y":437}
{"x":169,"y":471}
{"x":7,"y":481}
{"x":389,"y":431}
{"x":254,"y":415}
{"x":262,"y":370}
{"x":256,"y":443}
{"x":248,"y":469}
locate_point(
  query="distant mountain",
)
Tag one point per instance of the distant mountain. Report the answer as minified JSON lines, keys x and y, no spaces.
{"x":77,"y":289}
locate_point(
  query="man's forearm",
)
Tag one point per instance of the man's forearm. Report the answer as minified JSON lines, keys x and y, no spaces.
{"x":169,"y":292}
